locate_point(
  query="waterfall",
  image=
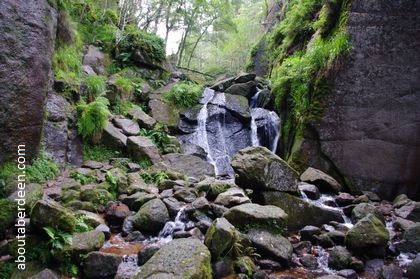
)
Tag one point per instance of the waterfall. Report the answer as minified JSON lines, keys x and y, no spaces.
{"x":266,"y":131}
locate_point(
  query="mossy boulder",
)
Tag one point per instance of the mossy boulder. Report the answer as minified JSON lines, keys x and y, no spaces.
{"x":33,"y":193}
{"x":251,"y":215}
{"x":259,"y":169}
{"x":219,"y":237}
{"x":96,"y":196}
{"x":179,"y":259}
{"x":31,"y":269}
{"x":83,"y":243}
{"x":274,"y":246}
{"x":411,"y":239}
{"x":367,"y":233}
{"x":300,"y":212}
{"x":101,"y":265}
{"x":49,"y":213}
{"x":7,"y":214}
{"x":151,"y":217}
{"x":339,"y":258}
{"x":363,"y":209}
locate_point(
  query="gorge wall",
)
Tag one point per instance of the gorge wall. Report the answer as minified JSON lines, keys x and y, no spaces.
{"x":370,"y":129}
{"x":27,"y":35}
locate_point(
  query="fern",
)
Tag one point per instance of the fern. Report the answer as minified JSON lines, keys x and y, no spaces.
{"x":95,"y":86}
{"x":92,"y":118}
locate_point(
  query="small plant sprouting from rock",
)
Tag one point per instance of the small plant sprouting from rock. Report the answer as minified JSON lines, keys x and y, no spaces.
{"x":238,"y":249}
{"x":155,"y":177}
{"x":58,"y":239}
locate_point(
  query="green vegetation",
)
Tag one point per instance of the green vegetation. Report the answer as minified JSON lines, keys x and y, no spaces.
{"x":7,"y":269}
{"x":92,"y":118}
{"x":113,"y":182}
{"x":184,"y":94}
{"x":82,"y":178}
{"x":124,"y":86}
{"x":7,"y":213}
{"x":58,"y":239}
{"x":99,"y":152}
{"x":154,"y":177}
{"x":122,"y":107}
{"x":67,"y":64}
{"x":158,"y":135}
{"x":6,"y":170}
{"x":95,"y":86}
{"x":82,"y":224}
{"x":42,"y":169}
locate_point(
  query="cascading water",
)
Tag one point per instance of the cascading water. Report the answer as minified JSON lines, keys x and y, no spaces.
{"x":179,"y":224}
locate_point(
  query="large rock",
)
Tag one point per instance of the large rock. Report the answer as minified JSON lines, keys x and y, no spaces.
{"x":232,"y":197}
{"x":113,"y":137}
{"x":220,"y":237}
{"x":369,"y":128}
{"x":247,"y":89}
{"x":188,"y":164}
{"x":322,"y":180}
{"x":128,"y":127}
{"x":369,"y":232}
{"x":27,"y":35}
{"x":413,"y":269}
{"x":99,"y":265}
{"x":151,"y":217}
{"x":339,"y":258}
{"x":361,"y":210}
{"x":142,"y":118}
{"x":411,"y":239}
{"x":142,"y":147}
{"x":300,"y":212}
{"x":249,"y":215}
{"x":410,"y":211}
{"x":179,"y":259}
{"x":49,"y":213}
{"x":163,"y":112}
{"x":276,"y":247}
{"x":83,"y":243}
{"x":259,"y":169}
{"x":96,"y":59}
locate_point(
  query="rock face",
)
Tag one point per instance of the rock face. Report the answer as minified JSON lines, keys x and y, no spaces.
{"x":370,"y":127}
{"x":27,"y":34}
{"x":259,"y":169}
{"x":188,"y":164}
{"x":179,"y":259}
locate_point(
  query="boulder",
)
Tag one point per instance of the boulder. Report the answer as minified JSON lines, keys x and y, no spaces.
{"x":220,"y":237}
{"x":400,"y":200}
{"x":411,"y":239}
{"x":142,"y":118}
{"x":141,"y":147}
{"x":188,"y":164}
{"x":259,"y":169}
{"x":269,"y":217}
{"x":146,"y":253}
{"x":128,"y":127}
{"x":27,"y":36}
{"x":344,"y":199}
{"x":49,"y":213}
{"x":323,"y":181}
{"x":186,"y":194}
{"x":413,"y":269}
{"x":96,"y":196}
{"x":237,"y":105}
{"x":309,"y":261}
{"x":223,"y":84}
{"x":83,"y":243}
{"x":113,"y":137}
{"x":410,"y":211}
{"x":45,"y":274}
{"x":301,"y":213}
{"x":34,"y":192}
{"x":273,"y":246}
{"x":163,"y":112}
{"x":339,"y":258}
{"x":232,"y":197}
{"x":139,"y":199}
{"x":116,"y":212}
{"x":179,"y":259}
{"x":99,"y":265}
{"x":361,"y":210}
{"x":151,"y":217}
{"x":247,"y":89}
{"x":391,"y":272}
{"x":96,"y":59}
{"x":245,"y":77}
{"x":368,"y":232}
{"x":311,"y":191}
{"x":91,"y":218}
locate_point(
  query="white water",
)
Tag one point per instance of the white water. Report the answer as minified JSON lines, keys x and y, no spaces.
{"x":254,"y":99}
{"x":254,"y":132}
{"x":202,"y":139}
{"x":165,"y":235}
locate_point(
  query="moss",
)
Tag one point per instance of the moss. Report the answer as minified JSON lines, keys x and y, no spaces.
{"x":99,"y":152}
{"x":7,"y":170}
{"x":96,"y":196}
{"x":6,"y":269}
{"x":42,"y":169}
{"x":7,"y":214}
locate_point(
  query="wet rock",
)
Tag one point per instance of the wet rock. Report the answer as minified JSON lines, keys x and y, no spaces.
{"x":311,"y":191}
{"x":141,"y":199}
{"x":361,"y":210}
{"x":151,"y":217}
{"x":217,"y":188}
{"x":188,"y":164}
{"x":195,"y":150}
{"x":113,"y":137}
{"x":372,"y":196}
{"x":220,"y":237}
{"x":324,"y":240}
{"x":259,"y":169}
{"x":104,"y":229}
{"x":402,"y":224}
{"x":301,"y":213}
{"x":232,"y":197}
{"x":413,"y":269}
{"x":245,"y":77}
{"x":361,"y":199}
{"x":223,"y":268}
{"x":135,"y":236}
{"x":127,"y":268}
{"x":186,"y":194}
{"x":344,"y":199}
{"x":265,"y":99}
{"x":245,"y":266}
{"x":367,"y":233}
{"x":308,"y":233}
{"x":100,"y":265}
{"x":146,"y":253}
{"x":218,"y":210}
{"x":309,"y":261}
{"x":357,"y":265}
{"x":223,"y":84}
{"x":178,"y":259}
{"x":374,"y":267}
{"x":267,"y":217}
{"x":45,"y":274}
{"x":48,"y":213}
{"x":273,"y":246}
{"x":348,"y":274}
{"x":391,"y":272}
{"x":400,"y":201}
{"x":142,"y":118}
{"x":173,"y":205}
{"x":411,"y":239}
{"x":116,"y":212}
{"x":128,"y":127}
{"x":141,"y":147}
{"x":339,"y":258}
{"x":247,"y":89}
{"x":410,"y":211}
{"x":83,"y":243}
{"x":323,"y":181}
{"x":96,"y":59}
{"x":302,"y":247}
{"x":201,"y":204}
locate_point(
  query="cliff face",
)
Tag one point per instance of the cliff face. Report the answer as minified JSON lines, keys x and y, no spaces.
{"x":370,"y":129}
{"x":27,"y":35}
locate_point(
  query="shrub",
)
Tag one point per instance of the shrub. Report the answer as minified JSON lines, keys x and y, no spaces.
{"x":92,"y":118}
{"x":184,"y":94}
{"x":157,"y":135}
{"x":95,"y":86}
{"x":124,"y":85}
{"x":42,"y":169}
